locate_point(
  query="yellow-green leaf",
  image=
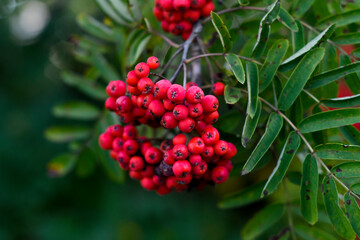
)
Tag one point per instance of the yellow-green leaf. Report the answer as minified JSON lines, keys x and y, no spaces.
{"x":223,"y":32}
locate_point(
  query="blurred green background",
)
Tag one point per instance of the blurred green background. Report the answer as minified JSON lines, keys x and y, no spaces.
{"x":35,"y":206}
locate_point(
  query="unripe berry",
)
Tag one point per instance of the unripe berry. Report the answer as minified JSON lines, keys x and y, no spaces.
{"x":181,"y":168}
{"x":168,"y":121}
{"x":166,"y":169}
{"x":153,"y":155}
{"x":176,"y":93}
{"x":210,"y":103}
{"x":221,"y":148}
{"x":156,"y":108}
{"x":117,"y":144}
{"x":105,"y":141}
{"x":211,"y":118}
{"x":180,"y":112}
{"x":231,"y":151}
{"x":219,"y":174}
{"x":124,"y":104}
{"x":147,"y":183}
{"x":179,"y":139}
{"x":195,"y":160}
{"x":210,"y":136}
{"x":130,"y":146}
{"x":181,"y":5}
{"x":136,"y":163}
{"x":180,"y":152}
{"x":110,"y":103}
{"x":153,"y":62}
{"x":218,"y":89}
{"x":195,"y":110}
{"x":199,"y":169}
{"x":207,"y":9}
{"x":116,"y":88}
{"x":145,"y":85}
{"x":186,"y":125}
{"x":132,"y":79}
{"x":167,"y":4}
{"x":192,"y":15}
{"x":115,"y":130}
{"x":197,"y":3}
{"x":196,"y":145}
{"x":194,"y":95}
{"x":142,"y":70}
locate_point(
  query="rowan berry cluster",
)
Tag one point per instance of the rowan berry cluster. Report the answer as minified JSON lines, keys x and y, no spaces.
{"x":178,"y":16}
{"x":178,"y":163}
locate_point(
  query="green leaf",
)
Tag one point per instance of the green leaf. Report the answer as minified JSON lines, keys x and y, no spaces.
{"x":252,"y":75}
{"x":232,"y":94}
{"x":262,"y":38}
{"x":288,"y":152}
{"x":335,"y":213}
{"x":338,"y":151}
{"x":302,"y":7}
{"x":298,"y":40}
{"x":223,"y":32}
{"x":351,"y":134}
{"x":86,"y":86}
{"x":122,"y":10}
{"x":296,"y":112}
{"x":330,"y":119}
{"x":349,"y":38}
{"x":347,"y":170}
{"x":352,"y":79}
{"x":342,"y":19}
{"x":60,"y":134}
{"x":262,"y":221}
{"x":272,"y":62}
{"x":356,"y":188}
{"x":353,"y":212}
{"x":327,"y":77}
{"x":86,"y":163}
{"x":287,"y":20}
{"x":299,"y":77}
{"x":312,"y":233}
{"x":351,"y":101}
{"x":138,"y":47}
{"x":106,"y":7}
{"x":292,"y":61}
{"x":106,"y":70}
{"x":356,"y":53}
{"x":243,"y":197}
{"x":243,"y":2}
{"x":272,"y":14}
{"x":309,"y":188}
{"x":236,"y":67}
{"x":272,"y":130}
{"x":76,"y":110}
{"x":135,"y":9}
{"x":61,"y":165}
{"x":95,"y":28}
{"x":250,"y":126}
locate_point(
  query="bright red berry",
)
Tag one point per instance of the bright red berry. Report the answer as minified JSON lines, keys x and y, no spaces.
{"x":166,"y":145}
{"x":197,"y":3}
{"x":210,"y":103}
{"x":218,"y":89}
{"x":181,"y":168}
{"x":195,"y":110}
{"x":181,"y":5}
{"x":184,"y":180}
{"x":110,"y":103}
{"x":180,"y":112}
{"x":211,"y":118}
{"x":207,"y":9}
{"x":122,"y":157}
{"x":208,"y":152}
{"x":196,"y":145}
{"x":186,"y":125}
{"x":160,"y":89}
{"x":185,"y":26}
{"x":153,"y":62}
{"x":158,"y":13}
{"x":194,"y":95}
{"x":169,"y":105}
{"x":144,"y":147}
{"x":199,"y":169}
{"x":219,"y":174}
{"x":145,"y":85}
{"x":142,"y":70}
{"x":136,"y":163}
{"x":176,"y":93}
{"x":167,"y":4}
{"x":105,"y":140}
{"x":221,"y":148}
{"x":168,"y":121}
{"x":195,"y":160}
{"x":153,"y":155}
{"x":190,"y":84}
{"x":231,"y":151}
{"x":180,"y":152}
{"x":156,"y":108}
{"x":147,"y":183}
{"x":163,"y":190}
{"x":172,"y":16}
{"x":168,"y":157}
{"x":135,"y":174}
{"x":115,"y":130}
{"x":116,"y":88}
{"x":192,"y":15}
{"x":132,"y":79}
{"x":148,"y":171}
{"x":117,"y":144}
{"x":133,"y":90}
{"x":165,"y":25}
{"x":129,"y":132}
{"x":210,"y":136}
{"x":124,"y":104}
{"x":179,"y":139}
{"x":130,"y":146}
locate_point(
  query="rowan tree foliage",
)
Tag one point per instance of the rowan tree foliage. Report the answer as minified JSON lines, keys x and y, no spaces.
{"x":292,"y":88}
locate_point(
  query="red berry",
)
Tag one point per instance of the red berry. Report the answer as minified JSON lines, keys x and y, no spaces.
{"x":147,"y":183}
{"x":179,"y":139}
{"x":144,"y":147}
{"x":156,"y":108}
{"x":138,"y":112}
{"x":196,"y":145}
{"x":210,"y":103}
{"x":124,"y":104}
{"x":181,"y":5}
{"x":122,"y":157}
{"x":176,"y":93}
{"x":168,"y":121}
{"x":190,"y":84}
{"x":194,"y":95}
{"x":197,"y":3}
{"x":213,"y":160}
{"x":210,"y":136}
{"x":172,"y":16}
{"x":153,"y":155}
{"x":116,"y":88}
{"x":167,"y":4}
{"x":173,"y":28}
{"x":211,"y":118}
{"x":158,"y":13}
{"x":184,"y":180}
{"x":169,"y":105}
{"x":165,"y":25}
{"x":218,"y":89}
{"x":180,"y":152}
{"x":195,"y":110}
{"x":126,"y":117}
{"x":168,"y":157}
{"x":145,"y":100}
{"x":186,"y":125}
{"x":133,"y":90}
{"x":153,"y":62}
{"x":115,"y":130}
{"x":192,"y":15}
{"x":117,"y":144}
{"x":148,"y":172}
{"x":180,"y":112}
{"x":195,"y":160}
{"x":199,"y":169}
{"x":219,"y":174}
{"x":145,"y":85}
{"x":207,"y":9}
{"x":208,"y":152}
{"x":130,"y":146}
{"x":105,"y":141}
{"x":129,"y":132}
{"x":231,"y":151}
{"x":132,"y":79}
{"x":185,"y":26}
{"x":135,"y":174}
{"x":181,"y":168}
{"x":221,"y":148}
{"x":157,"y":180}
{"x":170,"y":182}
{"x":110,"y":103}
{"x":142,"y":70}
{"x":185,"y":35}
{"x":163,"y":190}
{"x":136,"y":163}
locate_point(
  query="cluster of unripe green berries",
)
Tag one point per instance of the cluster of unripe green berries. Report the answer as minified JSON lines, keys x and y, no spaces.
{"x":177,"y":164}
{"x":178,"y":16}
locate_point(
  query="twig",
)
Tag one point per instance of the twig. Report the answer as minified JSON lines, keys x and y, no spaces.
{"x":236,"y":9}
{"x":211,"y":70}
{"x":166,"y":39}
{"x":170,"y":61}
{"x":185,"y":75}
{"x":157,"y":75}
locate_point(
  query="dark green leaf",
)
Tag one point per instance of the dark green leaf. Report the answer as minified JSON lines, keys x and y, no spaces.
{"x":296,"y":112}
{"x":349,"y":38}
{"x":342,"y":19}
{"x":356,"y":188}
{"x":135,"y":9}
{"x":347,"y":170}
{"x":335,"y":213}
{"x":338,"y":151}
{"x":107,"y":70}
{"x":121,"y":10}
{"x":353,"y":79}
{"x":250,"y":126}
{"x":223,"y":32}
{"x":95,"y":27}
{"x":243,"y":197}
{"x":332,"y":75}
{"x":272,"y":14}
{"x":262,"y":38}
{"x":351,"y":101}
{"x":138,"y":47}
{"x":351,"y":134}
{"x":312,"y":233}
{"x":330,"y":119}
{"x":356,"y":52}
{"x":292,"y":61}
{"x":309,"y":188}
{"x":109,"y":11}
{"x":272,"y":130}
{"x":236,"y":67}
{"x":287,"y":20}
{"x":272,"y":62}
{"x":299,"y":77}
{"x":86,"y":163}
{"x":76,"y":110}
{"x":232,"y":94}
{"x":61,"y":165}
{"x":302,"y":7}
{"x":62,"y":134}
{"x":353,"y":212}
{"x":298,"y":40}
{"x":288,"y":152}
{"x":252,"y":76}
{"x":262,"y":221}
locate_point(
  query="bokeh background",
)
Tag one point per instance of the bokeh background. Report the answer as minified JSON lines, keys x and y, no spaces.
{"x":36,"y":206}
